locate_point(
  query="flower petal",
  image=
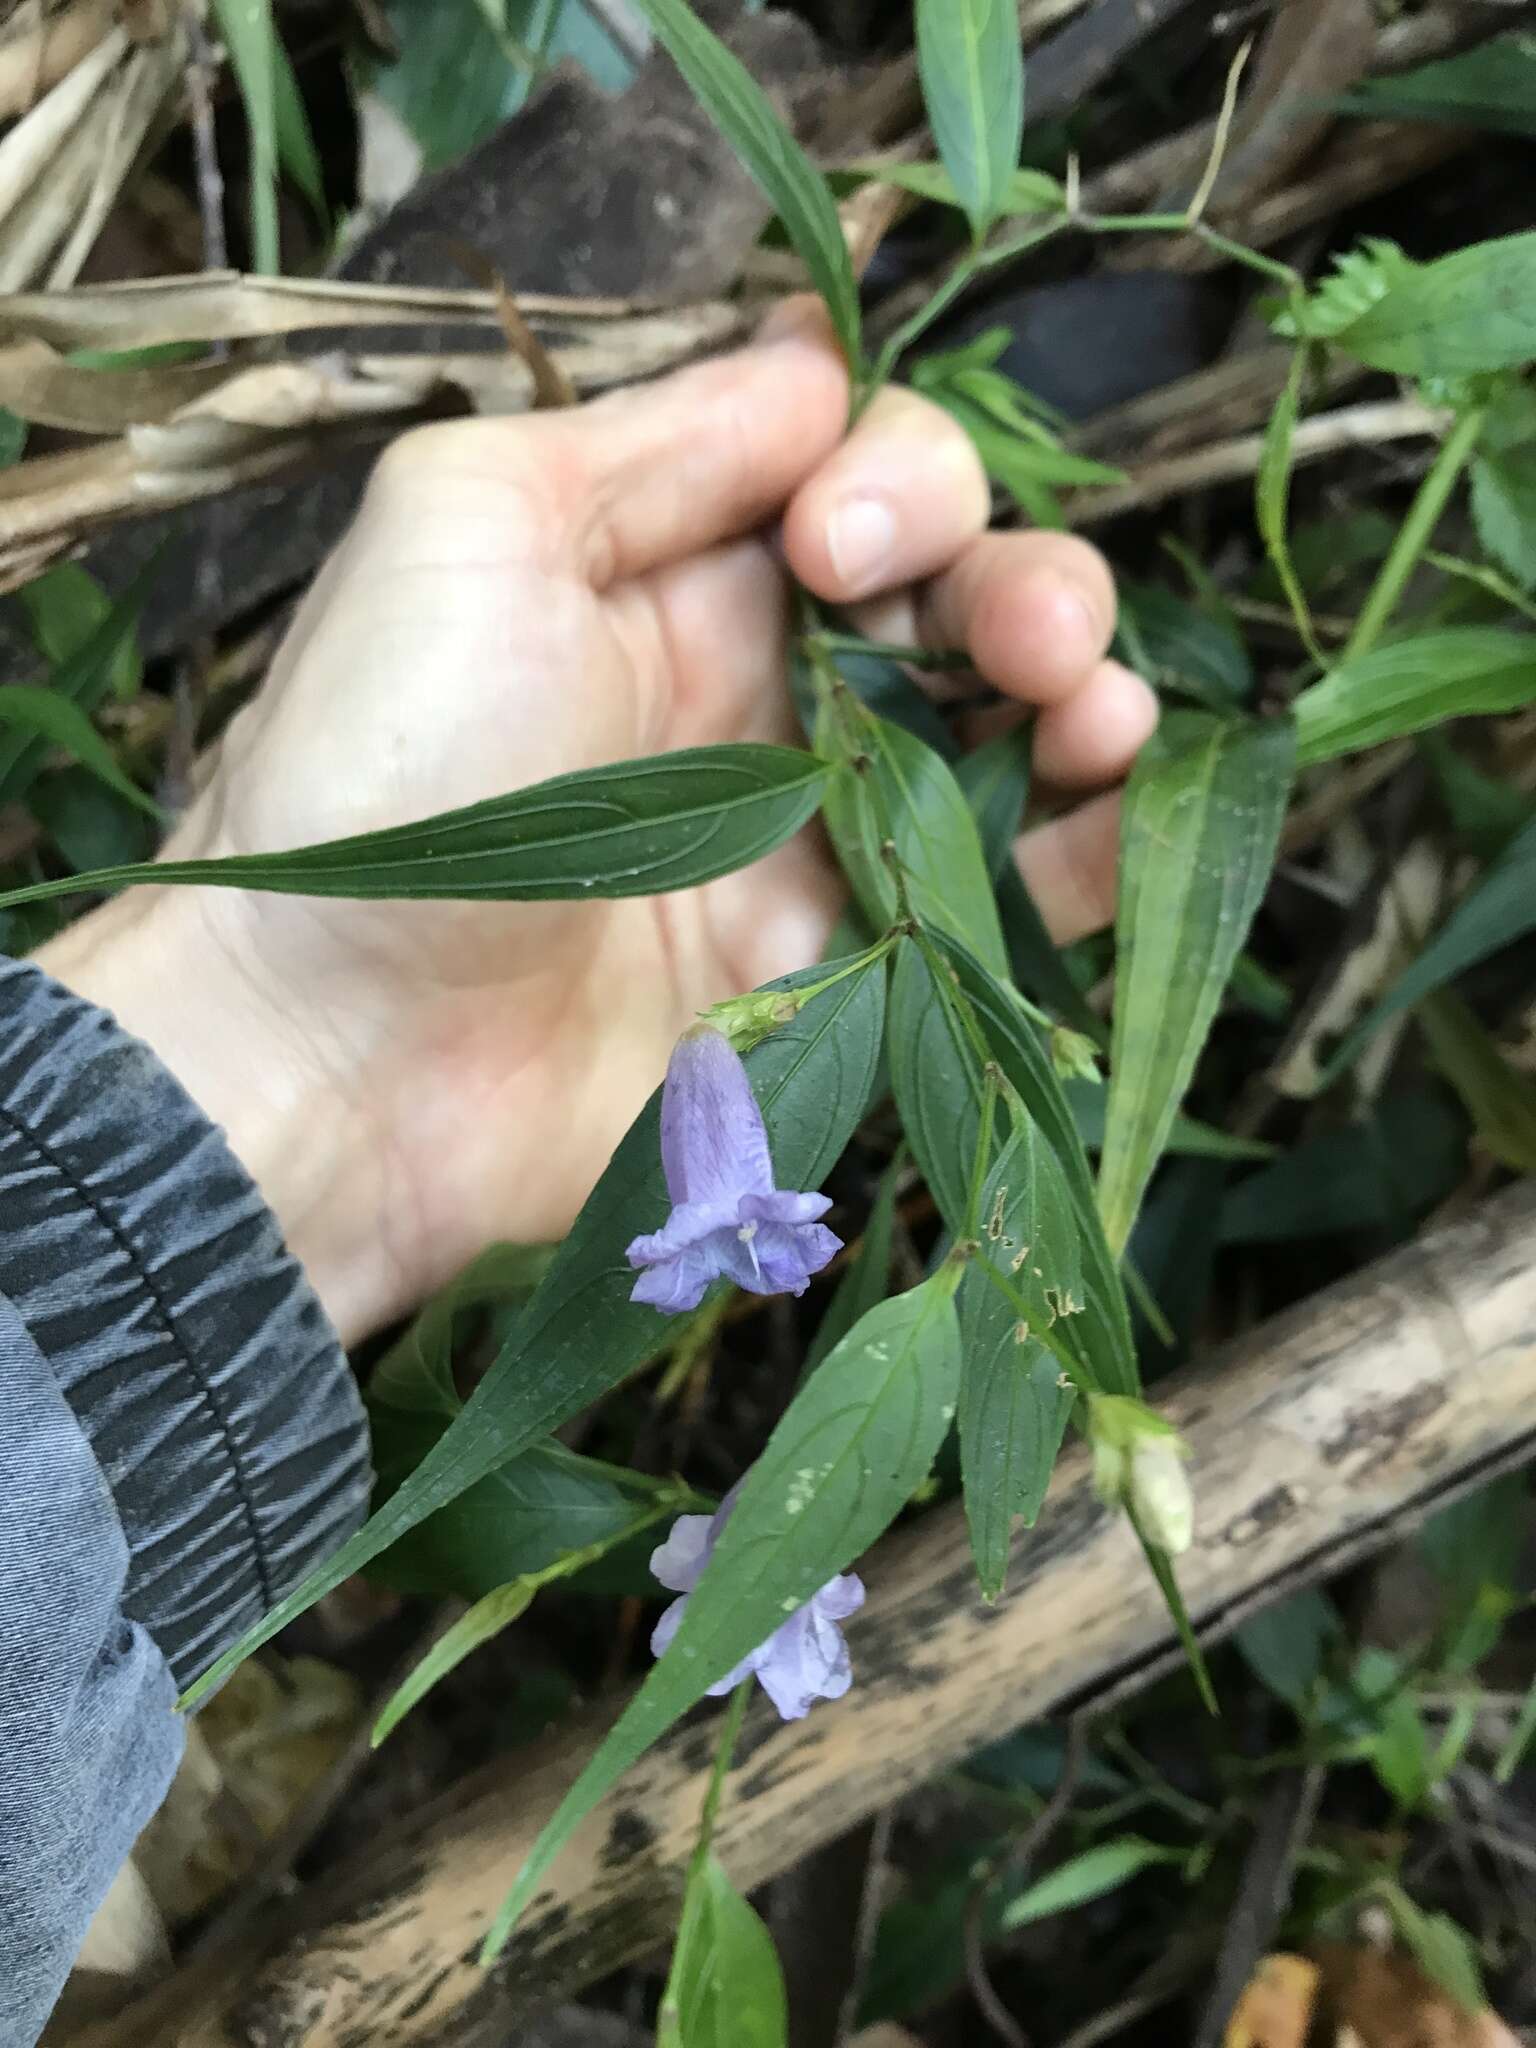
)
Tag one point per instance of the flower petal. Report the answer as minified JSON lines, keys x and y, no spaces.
{"x":678,"y":1564}
{"x":714,"y":1146}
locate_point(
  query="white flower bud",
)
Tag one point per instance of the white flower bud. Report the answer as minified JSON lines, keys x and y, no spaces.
{"x":1159,"y":1493}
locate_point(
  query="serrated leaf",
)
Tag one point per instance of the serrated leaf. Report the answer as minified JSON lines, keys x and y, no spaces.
{"x":1466,"y":313}
{"x":1102,"y":1331}
{"x":849,"y":1452}
{"x":1498,"y":910}
{"x":886,"y":779}
{"x":725,"y":1988}
{"x":45,"y":715}
{"x":634,"y":829}
{"x":1413,"y":683}
{"x":1097,"y":1871}
{"x":1201,"y":824}
{"x":745,"y":116}
{"x":1359,"y":280}
{"x":971,"y":63}
{"x":581,"y":1334}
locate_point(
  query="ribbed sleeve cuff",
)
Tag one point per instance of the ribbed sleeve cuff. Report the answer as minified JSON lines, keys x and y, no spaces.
{"x":185,"y":1338}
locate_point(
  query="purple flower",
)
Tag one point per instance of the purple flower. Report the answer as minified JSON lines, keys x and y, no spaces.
{"x":728,"y":1220}
{"x":804,"y":1660}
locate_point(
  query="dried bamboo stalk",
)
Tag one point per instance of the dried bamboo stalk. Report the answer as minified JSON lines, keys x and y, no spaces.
{"x":1323,"y":1436}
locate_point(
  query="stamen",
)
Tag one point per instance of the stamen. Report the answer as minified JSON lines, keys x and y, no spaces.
{"x":747,"y":1232}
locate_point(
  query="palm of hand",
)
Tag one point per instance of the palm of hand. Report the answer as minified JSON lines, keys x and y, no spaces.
{"x":461,"y":644}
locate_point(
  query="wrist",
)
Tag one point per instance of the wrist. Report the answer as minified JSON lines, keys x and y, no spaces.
{"x":181,"y":969}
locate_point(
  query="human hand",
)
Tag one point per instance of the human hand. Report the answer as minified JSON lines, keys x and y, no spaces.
{"x":517,"y":599}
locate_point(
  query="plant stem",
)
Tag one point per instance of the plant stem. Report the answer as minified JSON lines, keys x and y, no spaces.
{"x":1414,"y":534}
{"x":725,"y":1749}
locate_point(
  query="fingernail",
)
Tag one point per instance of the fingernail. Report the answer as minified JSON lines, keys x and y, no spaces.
{"x":861,"y":539}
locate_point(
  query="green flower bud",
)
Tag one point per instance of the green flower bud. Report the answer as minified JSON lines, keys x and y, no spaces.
{"x":1074,"y":1057}
{"x":1138,"y":1463}
{"x":747,"y":1020}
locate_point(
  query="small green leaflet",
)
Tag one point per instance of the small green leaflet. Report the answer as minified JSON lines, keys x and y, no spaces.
{"x":1412,"y":683}
{"x":725,"y":1988}
{"x":1466,"y":313}
{"x":1096,"y":1871}
{"x":581,"y":1334}
{"x":851,"y":1449}
{"x":746,"y":118}
{"x":1101,"y":1334}
{"x":1202,"y":819}
{"x":971,"y":62}
{"x":1498,"y":910}
{"x":635,"y":829}
{"x":43,"y":713}
{"x":893,"y":782}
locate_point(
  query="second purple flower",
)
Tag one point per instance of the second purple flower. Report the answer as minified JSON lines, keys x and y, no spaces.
{"x":728,"y":1220}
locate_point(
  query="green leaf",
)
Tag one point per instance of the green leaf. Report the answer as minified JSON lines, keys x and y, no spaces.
{"x":1026,"y":191}
{"x":1492,"y":87}
{"x":1202,"y":820}
{"x":485,"y":1620}
{"x":1179,"y":647}
{"x":936,"y":1079}
{"x":1441,"y":1949}
{"x":1494,"y":913}
{"x":1286,"y":1645}
{"x":1466,"y":313}
{"x":853,"y":1446}
{"x":995,"y":780}
{"x":1413,"y":683}
{"x":1360,"y":279}
{"x":1186,"y":1135}
{"x":44,"y":714}
{"x":1091,"y":1875}
{"x":746,"y":117}
{"x":1102,"y":1332}
{"x":82,"y":678}
{"x":416,"y":1374}
{"x":886,"y":781}
{"x":64,"y":607}
{"x":294,"y":142}
{"x":251,"y":35}
{"x":1504,"y":510}
{"x":971,"y":62}
{"x":13,"y":437}
{"x":1013,"y":1406}
{"x":581,"y":1334}
{"x":634,"y":829}
{"x":725,"y":1988}
{"x":1380,"y":1174}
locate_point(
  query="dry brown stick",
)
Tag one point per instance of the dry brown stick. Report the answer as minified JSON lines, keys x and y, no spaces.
{"x":1353,"y":426}
{"x":1317,"y":1440}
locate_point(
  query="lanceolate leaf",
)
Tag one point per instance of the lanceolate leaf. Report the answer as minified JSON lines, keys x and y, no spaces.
{"x":1413,"y":683}
{"x":580,"y":1334}
{"x":849,"y":1452}
{"x":1202,"y":820}
{"x":726,"y":1989}
{"x":1013,"y":1405}
{"x":746,"y":118}
{"x":635,"y":829}
{"x":936,"y":1078}
{"x":1499,"y":910}
{"x":972,"y":67}
{"x":28,"y":708}
{"x":1469,"y":312}
{"x":1102,"y":1331}
{"x":886,"y":782}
